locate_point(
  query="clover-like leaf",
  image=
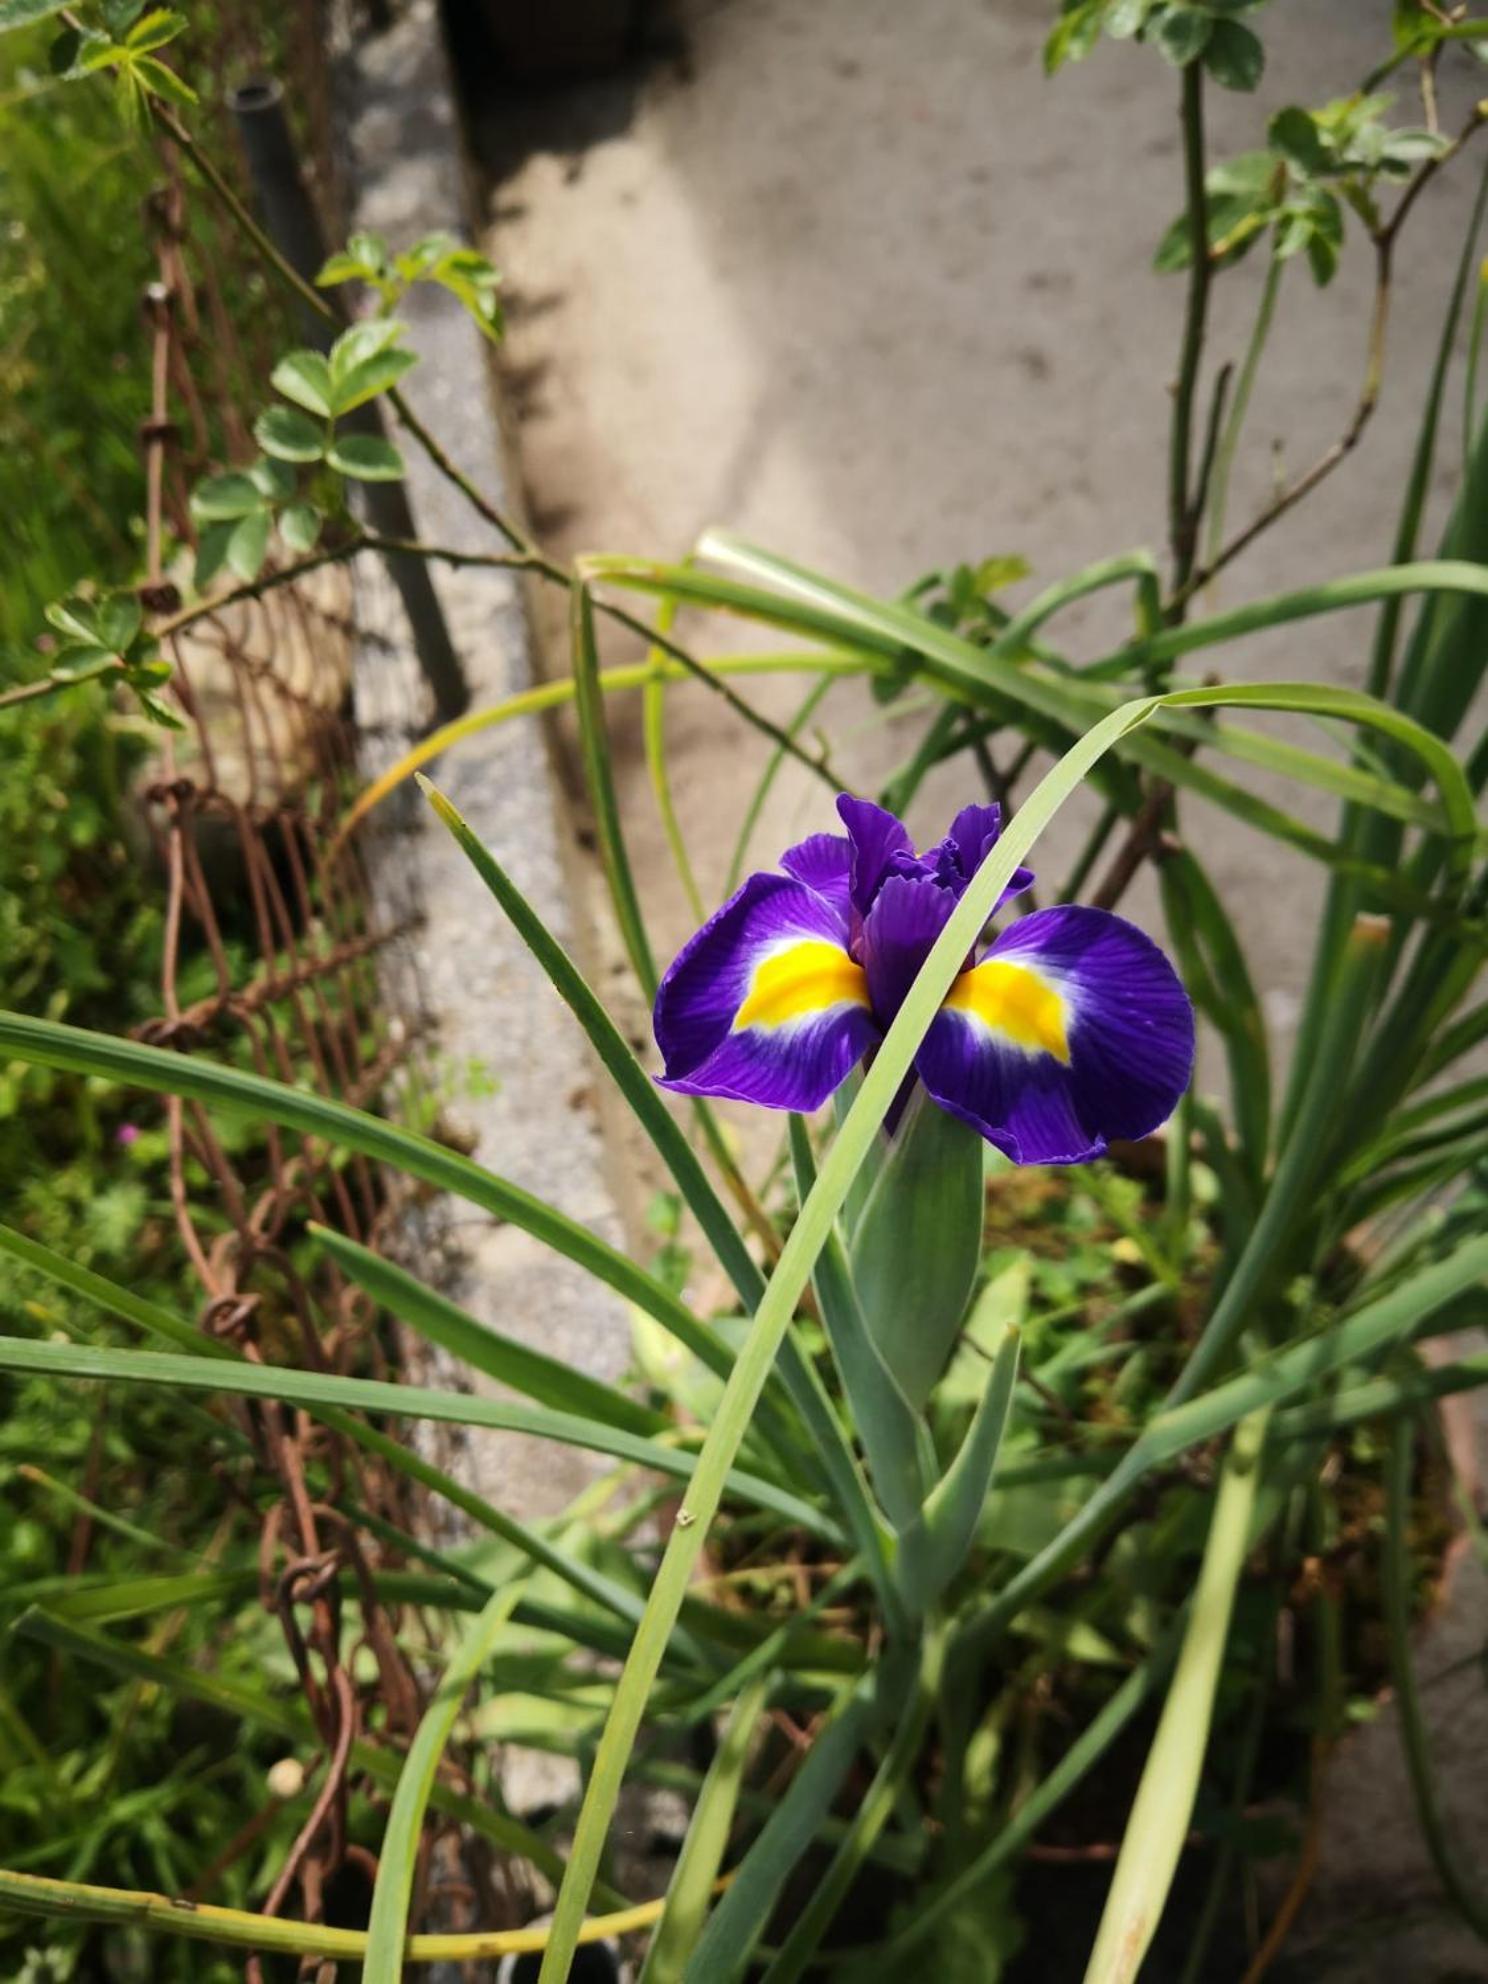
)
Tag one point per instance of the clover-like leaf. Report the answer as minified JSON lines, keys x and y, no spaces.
{"x":366,"y":458}
{"x":289,"y":435}
{"x":305,"y":378}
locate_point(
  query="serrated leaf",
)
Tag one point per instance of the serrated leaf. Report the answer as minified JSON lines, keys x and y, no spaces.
{"x":299,"y":526}
{"x":120,"y":15}
{"x":368,"y":247}
{"x":1182,"y":34}
{"x":991,"y":574}
{"x":292,"y":436}
{"x":163,"y":82}
{"x":1074,"y":34}
{"x":64,"y":51}
{"x":158,"y":711}
{"x":305,"y":378}
{"x":247,"y":546}
{"x":342,"y":268}
{"x":273,"y":479}
{"x":154,"y":30}
{"x":363,"y":340}
{"x":211,"y":553}
{"x":76,"y":618}
{"x":82,"y":658}
{"x":479,"y":300}
{"x":1234,"y":56}
{"x":118,"y":621}
{"x":96,"y":52}
{"x":1125,"y":18}
{"x":22,"y":13}
{"x":366,"y":457}
{"x":371,"y":376}
{"x":1296,"y":136}
{"x":225,"y":496}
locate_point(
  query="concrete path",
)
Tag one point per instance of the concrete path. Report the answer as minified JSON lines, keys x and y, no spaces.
{"x":855,"y":280}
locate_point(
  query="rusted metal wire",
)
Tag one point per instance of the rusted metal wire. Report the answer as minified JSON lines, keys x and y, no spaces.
{"x":270,"y":958}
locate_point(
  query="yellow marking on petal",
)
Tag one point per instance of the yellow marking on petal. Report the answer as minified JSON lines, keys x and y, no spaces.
{"x":1017,"y":1003}
{"x":804,"y":978}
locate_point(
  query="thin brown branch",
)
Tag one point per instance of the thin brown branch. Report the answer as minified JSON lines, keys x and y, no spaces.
{"x":1183,"y":508}
{"x":1293,"y":492}
{"x":1144,"y":837}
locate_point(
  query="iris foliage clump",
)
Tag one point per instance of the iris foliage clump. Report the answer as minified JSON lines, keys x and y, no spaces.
{"x":931,"y":1535}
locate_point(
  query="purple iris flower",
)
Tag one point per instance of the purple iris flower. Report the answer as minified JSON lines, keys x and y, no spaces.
{"x":1068,"y":1029}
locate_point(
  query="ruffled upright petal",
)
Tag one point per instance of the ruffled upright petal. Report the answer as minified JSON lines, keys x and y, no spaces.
{"x":1074,"y":1029}
{"x":824,"y":863}
{"x":764,"y":1004}
{"x":880,"y":843}
{"x":907,"y":916}
{"x":973,"y":835}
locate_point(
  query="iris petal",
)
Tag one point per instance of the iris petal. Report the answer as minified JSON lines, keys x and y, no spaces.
{"x":1073,"y":1030}
{"x":898,"y":932}
{"x":877,"y":839}
{"x":824,"y":863}
{"x":764,"y":1004}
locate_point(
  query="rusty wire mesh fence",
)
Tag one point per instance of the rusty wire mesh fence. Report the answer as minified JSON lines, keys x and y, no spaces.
{"x":278,"y":954}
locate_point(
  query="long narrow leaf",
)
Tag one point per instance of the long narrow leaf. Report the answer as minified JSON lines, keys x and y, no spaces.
{"x":698,"y":1864}
{"x":953,"y":1511}
{"x":318,"y":1388}
{"x":397,"y":1864}
{"x":484,"y":1348}
{"x":1158,"y":1826}
{"x":47,"y":1043}
{"x":637,"y":1089}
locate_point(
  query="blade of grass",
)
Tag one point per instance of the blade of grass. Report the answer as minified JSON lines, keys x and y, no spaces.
{"x":318,"y":1388}
{"x":653,"y":723}
{"x":287,"y":1717}
{"x":690,"y":1889}
{"x":553,"y":695}
{"x":739,"y":1919}
{"x":1153,"y":1840}
{"x":749,"y":819}
{"x":955,"y":1507}
{"x":599,"y":780}
{"x":843,"y":1160}
{"x":828,"y":1443}
{"x":485,"y":1349}
{"x":869,"y":1820}
{"x":48,"y":1043}
{"x":397,"y":1863}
